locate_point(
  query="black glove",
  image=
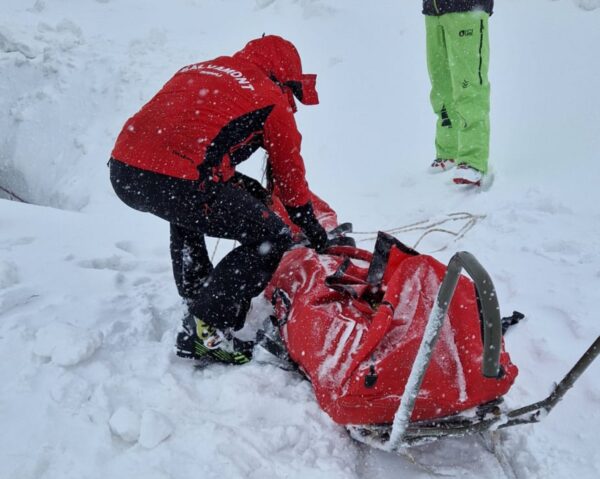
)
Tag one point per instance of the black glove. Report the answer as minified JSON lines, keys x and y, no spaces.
{"x":304,"y":217}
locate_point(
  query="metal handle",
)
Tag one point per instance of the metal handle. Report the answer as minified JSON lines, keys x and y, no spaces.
{"x":486,"y":293}
{"x":492,"y":335}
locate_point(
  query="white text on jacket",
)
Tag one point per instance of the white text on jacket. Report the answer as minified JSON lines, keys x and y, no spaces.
{"x":238,"y":76}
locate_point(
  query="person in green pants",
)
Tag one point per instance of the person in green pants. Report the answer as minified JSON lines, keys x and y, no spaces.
{"x":457,"y":61}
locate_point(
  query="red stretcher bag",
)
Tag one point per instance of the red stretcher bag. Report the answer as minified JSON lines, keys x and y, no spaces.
{"x":353,"y":322}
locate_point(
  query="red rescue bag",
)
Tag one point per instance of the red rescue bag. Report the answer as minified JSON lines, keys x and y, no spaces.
{"x":353,"y":322}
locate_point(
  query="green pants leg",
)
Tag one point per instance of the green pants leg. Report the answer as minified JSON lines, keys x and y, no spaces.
{"x":465,"y":55}
{"x":442,"y":101}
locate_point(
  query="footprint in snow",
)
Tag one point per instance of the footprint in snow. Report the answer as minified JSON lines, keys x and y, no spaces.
{"x":113,"y":263}
{"x":260,"y":4}
{"x":9,"y":274}
{"x":127,"y":246}
{"x":71,"y":391}
{"x":15,"y":297}
{"x":9,"y":244}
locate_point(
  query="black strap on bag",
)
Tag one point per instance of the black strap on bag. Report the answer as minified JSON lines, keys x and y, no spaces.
{"x":381,"y":255}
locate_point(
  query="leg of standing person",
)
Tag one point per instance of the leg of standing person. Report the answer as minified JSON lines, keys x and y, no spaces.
{"x":446,"y":137}
{"x":467,"y":43}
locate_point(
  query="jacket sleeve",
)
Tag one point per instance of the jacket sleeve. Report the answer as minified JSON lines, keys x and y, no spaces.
{"x":282,"y":141}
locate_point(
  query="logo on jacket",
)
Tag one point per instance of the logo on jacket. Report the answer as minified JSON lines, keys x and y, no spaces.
{"x":466,"y":33}
{"x":216,"y":70}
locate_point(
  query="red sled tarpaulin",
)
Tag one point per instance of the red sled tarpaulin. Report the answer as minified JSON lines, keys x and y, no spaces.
{"x":353,"y":321}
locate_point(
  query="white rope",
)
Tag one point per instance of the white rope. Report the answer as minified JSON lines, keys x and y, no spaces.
{"x":212,"y":258}
{"x":430,"y":226}
{"x":214,"y":253}
{"x":426,"y":226}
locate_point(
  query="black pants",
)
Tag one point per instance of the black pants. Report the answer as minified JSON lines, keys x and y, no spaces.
{"x":221,"y":296}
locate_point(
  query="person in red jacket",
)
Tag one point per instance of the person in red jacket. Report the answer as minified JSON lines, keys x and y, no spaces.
{"x":176,"y":159}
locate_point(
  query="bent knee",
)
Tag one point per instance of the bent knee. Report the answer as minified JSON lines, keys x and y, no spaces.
{"x":277,"y":244}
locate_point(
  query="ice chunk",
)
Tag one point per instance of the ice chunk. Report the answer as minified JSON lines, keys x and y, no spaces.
{"x":126,"y":424}
{"x":155,"y":428}
{"x":65,"y":344}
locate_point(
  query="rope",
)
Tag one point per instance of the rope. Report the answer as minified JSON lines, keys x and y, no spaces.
{"x":212,"y":257}
{"x":431,"y":226}
{"x":427,"y":226}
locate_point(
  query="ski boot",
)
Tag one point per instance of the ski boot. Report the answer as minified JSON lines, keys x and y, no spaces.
{"x":467,"y":175}
{"x":440,"y":165}
{"x":204,"y":343}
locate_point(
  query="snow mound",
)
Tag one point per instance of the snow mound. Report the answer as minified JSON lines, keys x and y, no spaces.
{"x":8,"y":44}
{"x":65,"y":344}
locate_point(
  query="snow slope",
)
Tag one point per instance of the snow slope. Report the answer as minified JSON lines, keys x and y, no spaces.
{"x":89,"y":386}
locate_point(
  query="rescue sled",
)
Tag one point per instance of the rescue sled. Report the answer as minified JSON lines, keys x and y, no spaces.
{"x":400,"y":349}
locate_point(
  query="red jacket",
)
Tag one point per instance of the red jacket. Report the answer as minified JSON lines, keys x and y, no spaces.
{"x":213,"y":115}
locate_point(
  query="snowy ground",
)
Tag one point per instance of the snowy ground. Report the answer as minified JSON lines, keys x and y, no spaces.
{"x":89,"y":386}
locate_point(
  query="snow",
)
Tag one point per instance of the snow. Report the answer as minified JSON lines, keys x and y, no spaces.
{"x":126,"y":424}
{"x":89,"y":385}
{"x":154,"y":429}
{"x":65,"y":344}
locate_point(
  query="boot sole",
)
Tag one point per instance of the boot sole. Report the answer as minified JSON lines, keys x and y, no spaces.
{"x":220,"y":355}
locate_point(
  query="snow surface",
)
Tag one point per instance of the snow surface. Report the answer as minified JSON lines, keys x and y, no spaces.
{"x":89,"y":385}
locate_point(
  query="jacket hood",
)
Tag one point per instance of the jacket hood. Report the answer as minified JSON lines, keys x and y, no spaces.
{"x":280,"y":61}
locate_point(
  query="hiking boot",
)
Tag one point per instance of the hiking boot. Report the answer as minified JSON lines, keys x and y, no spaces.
{"x":440,"y":165}
{"x":467,"y":175}
{"x":186,"y":338}
{"x":200,"y":341}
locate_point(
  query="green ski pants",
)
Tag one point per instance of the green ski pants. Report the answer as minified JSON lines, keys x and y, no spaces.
{"x":457,"y":59}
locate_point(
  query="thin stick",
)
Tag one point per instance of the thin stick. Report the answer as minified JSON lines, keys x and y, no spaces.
{"x":13,"y":195}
